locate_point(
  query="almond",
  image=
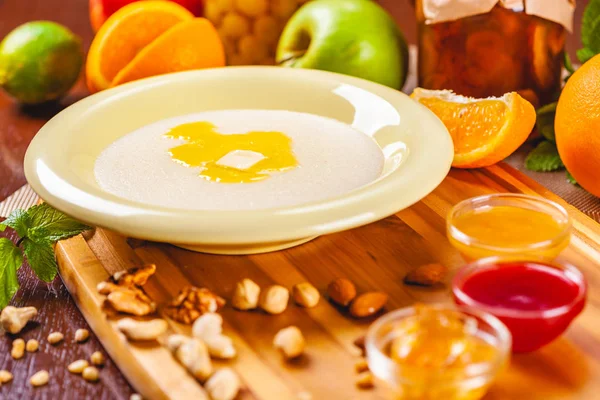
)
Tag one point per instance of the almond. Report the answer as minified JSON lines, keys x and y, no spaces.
{"x":368,"y":304}
{"x":341,"y":291}
{"x":426,"y":275}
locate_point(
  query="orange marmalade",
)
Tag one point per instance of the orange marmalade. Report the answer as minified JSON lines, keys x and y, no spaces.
{"x":436,"y":351}
{"x":508,"y":225}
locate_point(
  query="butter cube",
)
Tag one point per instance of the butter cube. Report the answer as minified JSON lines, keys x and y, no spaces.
{"x":240,"y":159}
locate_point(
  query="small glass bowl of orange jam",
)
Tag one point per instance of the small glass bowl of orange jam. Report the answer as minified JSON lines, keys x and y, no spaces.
{"x":509,"y":225}
{"x":429,"y":352}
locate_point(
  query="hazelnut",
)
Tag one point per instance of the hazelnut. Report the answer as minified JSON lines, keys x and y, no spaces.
{"x":305,"y":295}
{"x":246,"y":295}
{"x":274,"y":299}
{"x":290,"y":341}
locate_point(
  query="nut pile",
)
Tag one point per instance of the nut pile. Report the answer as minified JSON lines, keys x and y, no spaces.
{"x":274,"y":299}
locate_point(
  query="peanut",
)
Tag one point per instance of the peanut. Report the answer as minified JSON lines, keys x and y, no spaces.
{"x":290,"y":341}
{"x":40,"y":378}
{"x":246,"y":295}
{"x":305,"y":295}
{"x":81,"y":335}
{"x":55,"y":337}
{"x":365,"y":380}
{"x":274,"y":299}
{"x":341,"y":291}
{"x":223,"y":385}
{"x":18,"y":349}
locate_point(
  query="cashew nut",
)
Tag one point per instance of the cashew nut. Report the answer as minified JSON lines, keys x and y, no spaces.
{"x":142,"y":330}
{"x":14,"y":319}
{"x":193,"y":355}
{"x":209,"y":328}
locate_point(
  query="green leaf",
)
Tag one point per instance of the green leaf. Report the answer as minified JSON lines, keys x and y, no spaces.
{"x":58,"y":226}
{"x":590,"y":26}
{"x":570,"y":179}
{"x":2,"y":227}
{"x":568,"y":64}
{"x":545,"y":121}
{"x":585,"y":54}
{"x":41,"y":259}
{"x":11,"y":260}
{"x":18,"y":220}
{"x":544,"y":158}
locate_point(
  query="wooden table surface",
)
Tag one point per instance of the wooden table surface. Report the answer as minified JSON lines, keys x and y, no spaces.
{"x":57,"y":311}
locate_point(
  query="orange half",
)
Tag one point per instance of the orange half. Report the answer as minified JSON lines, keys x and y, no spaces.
{"x":484,"y":131}
{"x":188,"y":45}
{"x":125,"y":34}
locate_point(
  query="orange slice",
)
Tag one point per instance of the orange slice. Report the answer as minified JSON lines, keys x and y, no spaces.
{"x":188,"y":45}
{"x":125,"y":34}
{"x":484,"y":131}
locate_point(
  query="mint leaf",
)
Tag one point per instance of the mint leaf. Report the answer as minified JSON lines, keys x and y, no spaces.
{"x":544,"y":158}
{"x":585,"y":54}
{"x":568,"y":64}
{"x":590,"y":26}
{"x":18,"y":220}
{"x":570,"y":179}
{"x":2,"y":227}
{"x":11,"y":259}
{"x":41,"y":259}
{"x":58,"y":226}
{"x":545,"y":120}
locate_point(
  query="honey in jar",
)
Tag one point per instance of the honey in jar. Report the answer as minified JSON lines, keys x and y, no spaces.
{"x":487,"y":48}
{"x":250,"y":29}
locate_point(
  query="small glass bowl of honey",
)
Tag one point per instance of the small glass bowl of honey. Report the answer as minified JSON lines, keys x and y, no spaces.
{"x":509,"y":225}
{"x":437,"y":352}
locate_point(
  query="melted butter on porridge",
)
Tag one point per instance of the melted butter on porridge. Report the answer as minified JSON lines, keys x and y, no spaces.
{"x":232,"y":158}
{"x":238,"y":160}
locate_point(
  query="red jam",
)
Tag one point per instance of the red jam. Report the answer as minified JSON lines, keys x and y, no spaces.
{"x":536,"y":301}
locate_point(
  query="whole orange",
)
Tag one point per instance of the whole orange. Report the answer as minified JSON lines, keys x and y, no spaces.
{"x":577,"y":125}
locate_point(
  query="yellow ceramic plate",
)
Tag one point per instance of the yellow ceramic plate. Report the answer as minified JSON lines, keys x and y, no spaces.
{"x":417,"y":147}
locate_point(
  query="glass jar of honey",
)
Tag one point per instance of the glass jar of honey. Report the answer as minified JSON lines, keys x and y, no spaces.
{"x":250,"y":29}
{"x":484,"y":48}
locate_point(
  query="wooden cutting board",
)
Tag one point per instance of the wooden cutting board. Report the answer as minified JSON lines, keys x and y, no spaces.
{"x":375,"y":257}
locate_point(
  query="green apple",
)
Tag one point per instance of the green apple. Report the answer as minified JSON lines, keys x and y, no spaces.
{"x":353,"y":37}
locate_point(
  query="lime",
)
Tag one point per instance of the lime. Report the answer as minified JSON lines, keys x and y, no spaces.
{"x":40,"y":61}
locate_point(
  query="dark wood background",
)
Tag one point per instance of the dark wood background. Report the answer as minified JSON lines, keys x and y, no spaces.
{"x":18,"y":125}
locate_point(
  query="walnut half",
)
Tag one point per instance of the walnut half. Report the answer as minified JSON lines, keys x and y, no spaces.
{"x":124,"y":292}
{"x":191,"y":303}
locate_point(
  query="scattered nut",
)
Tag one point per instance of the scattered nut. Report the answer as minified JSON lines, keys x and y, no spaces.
{"x":360,"y":344}
{"x":365,"y":380}
{"x":426,"y":275}
{"x":97,"y":358}
{"x":14,"y":319}
{"x":125,"y":294}
{"x":191,"y":303}
{"x":209,"y":328}
{"x":368,"y":304}
{"x":81,"y":335}
{"x":18,"y":349}
{"x":224,"y":384}
{"x":77,"y":367}
{"x":174,"y":341}
{"x":32,"y":346}
{"x":246,"y":295}
{"x":136,"y":396}
{"x":142,"y":330}
{"x":290,"y":341}
{"x":306,"y":295}
{"x":55,"y":337}
{"x":5,"y":376}
{"x":361,"y":365}
{"x":274,"y":299}
{"x":40,"y":378}
{"x":193,"y":354}
{"x":90,"y":374}
{"x":135,"y":276}
{"x":341,"y":291}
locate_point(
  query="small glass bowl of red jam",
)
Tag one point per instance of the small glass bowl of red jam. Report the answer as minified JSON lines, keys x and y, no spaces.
{"x":536,"y":300}
{"x":437,"y":352}
{"x":508,"y":225}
